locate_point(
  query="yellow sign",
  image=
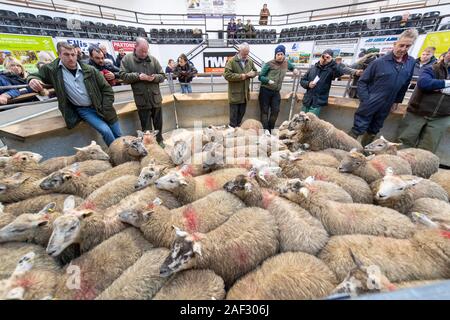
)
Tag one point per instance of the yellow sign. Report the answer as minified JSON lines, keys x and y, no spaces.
{"x":440,"y":40}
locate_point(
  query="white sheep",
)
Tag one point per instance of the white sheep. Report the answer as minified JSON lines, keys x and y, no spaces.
{"x":155,"y":152}
{"x":442,"y":177}
{"x":127,"y":148}
{"x":231,"y":250}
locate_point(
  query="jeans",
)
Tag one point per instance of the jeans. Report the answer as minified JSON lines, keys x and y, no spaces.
{"x":109,"y":132}
{"x":269,"y":102}
{"x":237,"y":112}
{"x":186,"y":88}
{"x":312,"y":109}
{"x":149,"y":115}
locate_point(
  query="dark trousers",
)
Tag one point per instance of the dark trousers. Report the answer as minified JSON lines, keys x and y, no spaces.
{"x":269,"y":104}
{"x":147,"y":116}
{"x":369,"y":119}
{"x":237,"y":112}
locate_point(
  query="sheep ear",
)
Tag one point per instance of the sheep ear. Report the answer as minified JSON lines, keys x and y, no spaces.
{"x":413,"y":182}
{"x":80,"y":149}
{"x":125,"y":142}
{"x":357,"y":262}
{"x":393,"y":144}
{"x":179,"y":233}
{"x":157,"y":202}
{"x":248,"y":187}
{"x":16,"y":293}
{"x":140,"y":133}
{"x":75,"y":167}
{"x":48,"y":208}
{"x":69,"y":204}
{"x":197,"y":248}
{"x":93,"y":143}
{"x":155,"y":133}
{"x":382,"y":138}
{"x":305,"y":192}
{"x":84,"y":214}
{"x":183,"y":182}
{"x":354,"y":150}
{"x":389,"y":172}
{"x":309,"y":180}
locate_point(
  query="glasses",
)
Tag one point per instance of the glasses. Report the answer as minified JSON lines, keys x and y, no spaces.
{"x":326,"y":57}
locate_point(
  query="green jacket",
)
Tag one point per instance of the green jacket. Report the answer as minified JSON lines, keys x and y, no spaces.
{"x":276,"y":72}
{"x":146,"y":94}
{"x":238,"y":89}
{"x":100,"y":92}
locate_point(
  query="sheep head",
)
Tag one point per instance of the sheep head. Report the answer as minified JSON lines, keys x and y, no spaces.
{"x":171,"y":181}
{"x":13,"y":182}
{"x":292,"y":187}
{"x":393,"y":186}
{"x":91,"y":152}
{"x":135,"y":147}
{"x":181,"y":152}
{"x":184,"y":251}
{"x":67,"y":228}
{"x":352,"y":161}
{"x":299,"y":121}
{"x":58,"y":179}
{"x":363,"y":279}
{"x":140,"y":215}
{"x":149,"y":175}
{"x":148,"y":137}
{"x":241,"y":186}
{"x":381,"y":146}
{"x":24,"y":157}
{"x":24,"y":226}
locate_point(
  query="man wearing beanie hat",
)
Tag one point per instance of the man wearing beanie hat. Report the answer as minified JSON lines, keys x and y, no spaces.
{"x":428,"y":115}
{"x":271,"y":77}
{"x":317,"y":81}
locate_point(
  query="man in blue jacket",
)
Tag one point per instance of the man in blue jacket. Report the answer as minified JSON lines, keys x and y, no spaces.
{"x":428,"y":115}
{"x":382,"y":87}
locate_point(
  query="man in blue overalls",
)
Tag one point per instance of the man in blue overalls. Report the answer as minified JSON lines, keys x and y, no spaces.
{"x":382,"y":87}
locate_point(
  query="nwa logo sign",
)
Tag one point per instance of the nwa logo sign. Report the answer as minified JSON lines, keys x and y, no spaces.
{"x":216,"y":61}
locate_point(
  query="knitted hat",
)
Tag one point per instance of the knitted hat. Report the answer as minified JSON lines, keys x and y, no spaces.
{"x":329,"y":52}
{"x":280,"y":48}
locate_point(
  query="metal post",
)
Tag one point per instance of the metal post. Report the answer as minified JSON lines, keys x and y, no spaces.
{"x":347,"y":88}
{"x":212,"y":83}
{"x":294,"y":95}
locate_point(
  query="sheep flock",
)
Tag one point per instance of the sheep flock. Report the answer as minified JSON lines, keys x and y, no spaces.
{"x":305,"y":212}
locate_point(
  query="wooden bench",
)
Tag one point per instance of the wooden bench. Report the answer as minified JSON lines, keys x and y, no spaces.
{"x":34,"y":127}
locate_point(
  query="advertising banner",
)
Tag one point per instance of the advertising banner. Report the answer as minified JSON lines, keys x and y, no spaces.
{"x":381,"y":45}
{"x":440,"y":40}
{"x":127,"y":46}
{"x":85,"y":44}
{"x":216,"y":61}
{"x":299,"y":53}
{"x":345,"y":48}
{"x":28,"y":50}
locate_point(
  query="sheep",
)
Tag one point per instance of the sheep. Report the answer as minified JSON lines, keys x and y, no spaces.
{"x":298,"y":230}
{"x":13,"y":251}
{"x":400,"y":192}
{"x":252,"y":124}
{"x":372,"y":168}
{"x":127,"y":148}
{"x":23,"y":161}
{"x":287,"y":276}
{"x":141,"y":281}
{"x":152,"y":172}
{"x":35,"y":204}
{"x":90,"y":167}
{"x":423,"y":257}
{"x":306,"y":158}
{"x":155,"y":151}
{"x":90,"y":152}
{"x":28,"y":283}
{"x":340,"y":218}
{"x":355,"y":186}
{"x":184,"y":148}
{"x":231,"y":250}
{"x":336,"y":153}
{"x":98,"y":268}
{"x":442,"y":177}
{"x":320,"y":134}
{"x":423,"y":162}
{"x":434,"y":209}
{"x":5,"y":152}
{"x":188,"y":189}
{"x":71,"y":181}
{"x":83,"y":228}
{"x":19,"y":186}
{"x":202,"y":215}
{"x":193,"y":285}
{"x":363,"y":279}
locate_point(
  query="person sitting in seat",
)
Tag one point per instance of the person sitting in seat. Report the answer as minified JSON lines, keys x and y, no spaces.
{"x":231,"y":29}
{"x":250,"y":31}
{"x":14,"y":74}
{"x":97,"y":60}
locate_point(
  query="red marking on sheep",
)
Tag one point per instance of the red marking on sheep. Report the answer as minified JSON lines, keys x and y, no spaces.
{"x":89,"y":205}
{"x":77,"y":173}
{"x":187,"y":170}
{"x":379,"y":166}
{"x":210,"y":183}
{"x":321,"y":177}
{"x":313,"y":189}
{"x":86,"y":291}
{"x":190,"y":219}
{"x":150,"y":206}
{"x":408,"y":157}
{"x":445,"y":234}
{"x":148,"y":139}
{"x":24,"y":282}
{"x":391,"y":287}
{"x":267,"y":198}
{"x":240,"y":255}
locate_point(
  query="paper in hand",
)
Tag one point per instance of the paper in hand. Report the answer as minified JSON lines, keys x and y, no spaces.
{"x":316,"y":79}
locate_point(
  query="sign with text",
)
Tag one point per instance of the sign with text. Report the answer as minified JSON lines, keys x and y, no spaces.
{"x":127,"y":46}
{"x":216,"y":61}
{"x":440,"y":40}
{"x":381,"y":45}
{"x":344,"y":48}
{"x":299,"y":53}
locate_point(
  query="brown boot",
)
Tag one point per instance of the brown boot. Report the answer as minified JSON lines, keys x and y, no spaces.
{"x":367,"y":138}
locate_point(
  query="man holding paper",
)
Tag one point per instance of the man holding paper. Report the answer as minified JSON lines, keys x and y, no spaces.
{"x":238,"y":72}
{"x":317,"y":81}
{"x":145,"y":73}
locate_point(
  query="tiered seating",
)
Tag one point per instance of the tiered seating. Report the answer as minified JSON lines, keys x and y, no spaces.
{"x":427,"y":22}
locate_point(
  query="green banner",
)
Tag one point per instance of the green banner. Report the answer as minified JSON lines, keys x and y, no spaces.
{"x":29,"y":50}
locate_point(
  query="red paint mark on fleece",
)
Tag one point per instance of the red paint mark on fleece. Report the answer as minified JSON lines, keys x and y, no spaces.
{"x":379,"y":166}
{"x":267,"y":198}
{"x":391,"y":287}
{"x":321,"y":177}
{"x":187,"y":170}
{"x":148,"y":139}
{"x":240,"y":255}
{"x":190,"y":219}
{"x":89,"y":205}
{"x":86,"y":291}
{"x":408,"y":157}
{"x":313,"y":189}
{"x":150,"y":206}
{"x":210,"y":183}
{"x":445,"y":234}
{"x":25,"y":282}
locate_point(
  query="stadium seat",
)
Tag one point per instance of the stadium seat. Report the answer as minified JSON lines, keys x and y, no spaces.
{"x":332,"y":29}
{"x":430,"y":20}
{"x":342,"y":29}
{"x":369,"y":27}
{"x":354,"y":30}
{"x":394,"y":25}
{"x":414,"y":20}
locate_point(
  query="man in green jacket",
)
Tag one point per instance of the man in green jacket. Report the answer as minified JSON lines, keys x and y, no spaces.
{"x":238,"y":72}
{"x":82,"y":92}
{"x":271,"y":77}
{"x":144,"y":73}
